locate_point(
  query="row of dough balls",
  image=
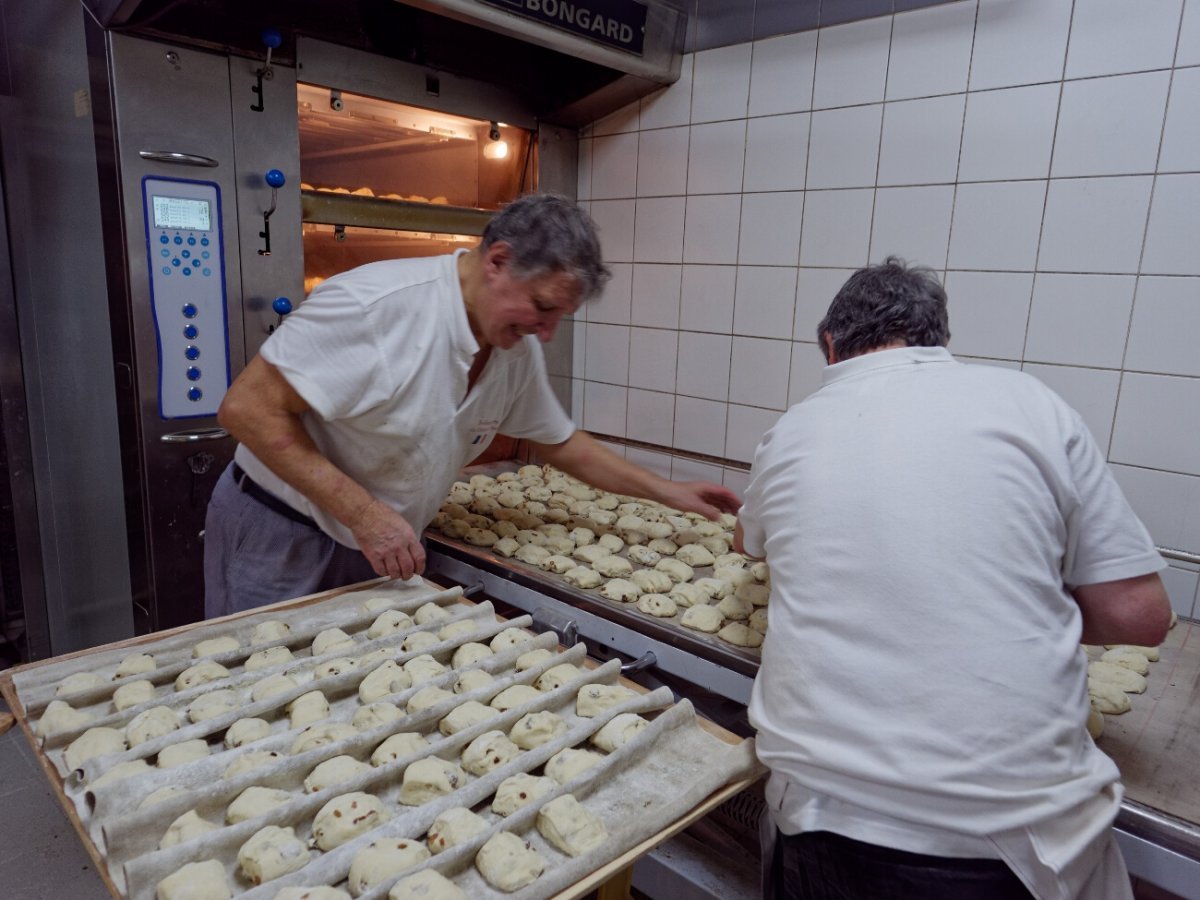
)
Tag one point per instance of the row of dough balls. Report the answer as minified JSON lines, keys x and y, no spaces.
{"x":306,"y":712}
{"x":60,"y":716}
{"x":506,"y":861}
{"x":1118,"y":671}
{"x":588,"y":529}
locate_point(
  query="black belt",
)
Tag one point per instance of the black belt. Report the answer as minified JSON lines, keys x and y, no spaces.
{"x":248,"y":486}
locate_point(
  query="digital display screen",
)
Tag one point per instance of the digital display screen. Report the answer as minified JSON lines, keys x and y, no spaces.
{"x":182,"y":213}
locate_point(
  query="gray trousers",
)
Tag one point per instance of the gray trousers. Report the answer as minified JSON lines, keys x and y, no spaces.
{"x":254,"y":556}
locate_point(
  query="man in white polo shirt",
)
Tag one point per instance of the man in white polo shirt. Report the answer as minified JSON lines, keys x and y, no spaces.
{"x":941,"y":538}
{"x":360,"y":410}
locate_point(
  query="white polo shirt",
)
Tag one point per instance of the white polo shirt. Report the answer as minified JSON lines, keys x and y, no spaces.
{"x":923,"y":520}
{"x":382,"y":354}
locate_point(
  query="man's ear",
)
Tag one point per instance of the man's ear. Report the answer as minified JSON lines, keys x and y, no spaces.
{"x":827,"y":348}
{"x":497,"y":256}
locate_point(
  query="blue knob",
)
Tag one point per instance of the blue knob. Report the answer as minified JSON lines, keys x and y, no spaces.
{"x":281,"y":305}
{"x":275,"y":178}
{"x":193,"y":374}
{"x":192,"y":352}
{"x":271,"y":37}
{"x":194,"y":394}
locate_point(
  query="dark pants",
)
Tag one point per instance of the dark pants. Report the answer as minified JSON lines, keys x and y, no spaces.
{"x":820,"y":865}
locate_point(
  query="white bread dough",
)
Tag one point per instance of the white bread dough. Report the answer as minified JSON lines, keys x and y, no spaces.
{"x":490,"y":750}
{"x":652,"y":581}
{"x":506,"y":546}
{"x":611,"y":543}
{"x":513,"y":696}
{"x":536,"y":728}
{"x":200,"y":673}
{"x":470,"y":653}
{"x":509,"y":637}
{"x":620,"y":590}
{"x":687,"y":595}
{"x":1126,"y":679}
{"x":321,"y":734}
{"x":428,"y":697}
{"x":213,"y":646}
{"x":568,"y":826}
{"x":1151,"y":653}
{"x":374,"y":715}
{"x":272,"y":686}
{"x":246,"y":731}
{"x":189,"y":825}
{"x":196,"y":881}
{"x":99,"y":741}
{"x":1095,"y":723}
{"x":331,"y":668}
{"x":419,"y":640}
{"x":135,"y":693}
{"x":389,"y":622}
{"x":307,"y":708}
{"x":660,"y":605}
{"x":590,"y":553}
{"x":1107,"y":698}
{"x":558,"y":564}
{"x":126,"y":769}
{"x":430,"y":778}
{"x":80,"y":681}
{"x":556,"y":676}
{"x":465,"y":715}
{"x":740,"y":635}
{"x":565,"y":765}
{"x":754,"y":594}
{"x":702,"y":618}
{"x":662,"y":546}
{"x":430,"y":613}
{"x":346,"y":817}
{"x":272,"y":852}
{"x":694,"y":555}
{"x":388,"y":678}
{"x":619,"y":731}
{"x":521,"y":789}
{"x":332,"y":640}
{"x":182,"y":753}
{"x":321,"y":892}
{"x":532,"y":554}
{"x":734,"y":607}
{"x":643,"y":555}
{"x":383,"y":859}
{"x":715,"y":588}
{"x":533,"y":658}
{"x":677,"y":571}
{"x":268,"y":631}
{"x":60,"y":716}
{"x":333,"y":771}
{"x":1127,"y":658}
{"x":613,"y":566}
{"x":758,"y":620}
{"x":481,"y":537}
{"x":453,"y":827}
{"x":253,"y":802}
{"x":593,"y":699}
{"x":583,"y":577}
{"x":507,"y":862}
{"x":398,"y":746}
{"x":471,"y":680}
{"x":135,"y":664}
{"x":249,"y":761}
{"x":264,"y":659}
{"x":423,"y":668}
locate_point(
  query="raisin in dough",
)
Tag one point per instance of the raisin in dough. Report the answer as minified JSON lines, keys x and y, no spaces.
{"x":659,"y":605}
{"x":272,"y":852}
{"x":346,"y":817}
{"x":569,"y":827}
{"x":455,"y":826}
{"x":557,"y":564}
{"x":490,"y":750}
{"x":384,"y":859}
{"x":508,"y":863}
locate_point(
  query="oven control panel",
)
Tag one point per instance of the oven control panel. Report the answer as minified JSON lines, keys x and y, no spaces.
{"x":187,"y":294}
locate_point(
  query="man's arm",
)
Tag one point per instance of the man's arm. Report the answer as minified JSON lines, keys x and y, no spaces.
{"x":584,"y":457}
{"x":263,"y":411}
{"x":1129,"y":611}
{"x":739,"y":542}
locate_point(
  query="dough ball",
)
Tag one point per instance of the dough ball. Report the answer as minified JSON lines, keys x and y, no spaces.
{"x":460,"y":629}
{"x":677,"y":571}
{"x":736,"y":577}
{"x":1127,"y":658}
{"x":430,"y":613}
{"x":1095,"y":723}
{"x":694,"y":555}
{"x":556,"y":676}
{"x":375,"y":715}
{"x":1108,"y":698}
{"x":513,"y":696}
{"x":423,"y":668}
{"x":631,"y":522}
{"x":332,"y":640}
{"x":388,"y":678}
{"x":702,"y":618}
{"x":618,"y":731}
{"x":758,"y":620}
{"x":620,"y":590}
{"x":246,"y":731}
{"x":154,"y":722}
{"x":582,"y":536}
{"x":120,"y":771}
{"x":1151,"y":653}
{"x":536,"y":728}
{"x":331,"y":668}
{"x":511,"y":499}
{"x":566,"y":765}
{"x":533,"y":554}
{"x":135,"y":664}
{"x":307,"y":708}
{"x":754,"y":594}
{"x":761,"y":572}
{"x":470,"y":653}
{"x":481,"y":537}
{"x":272,"y":686}
{"x":453,"y":827}
{"x":189,"y":825}
{"x":590,"y":553}
{"x":253,"y":802}
{"x":593,"y":699}
{"x":740,"y":635}
{"x":430,"y":778}
{"x":428,"y":697}
{"x":263,"y":659}
{"x":1126,"y":679}
{"x":533,"y":658}
{"x":527,"y":536}
{"x":200,"y":673}
{"x":213,"y":646}
{"x":389,"y":622}
{"x":714,"y":588}
{"x":195,"y":881}
{"x":471,"y":680}
{"x":662,"y":546}
{"x":321,"y":735}
{"x":163,"y":793}
{"x":465,"y":716}
{"x":60,"y":717}
{"x":557,"y":564}
{"x":182,"y":753}
{"x":421,"y":640}
{"x":346,"y":817}
{"x":270,"y":630}
{"x":249,"y":761}
{"x":508,"y":863}
{"x":643,"y":555}
{"x":657,"y":530}
{"x":686,"y":595}
{"x":651,"y":581}
{"x":383,"y":859}
{"x":717,"y":546}
{"x":583,"y":577}
{"x":733,"y":607}
{"x":321,"y":892}
{"x":490,"y":750}
{"x":461,"y":493}
{"x":730,"y":561}
{"x":506,"y":546}
{"x":272,"y":852}
{"x":456,"y":528}
{"x":519,"y":790}
{"x":135,"y":693}
{"x":659,"y":605}
{"x":611,"y":543}
{"x":509,"y":637}
{"x":397,"y":747}
{"x":559,"y":545}
{"x":506,"y":529}
{"x":569,"y":827}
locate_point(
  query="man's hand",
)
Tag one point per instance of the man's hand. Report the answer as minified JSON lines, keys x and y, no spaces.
{"x":710,"y":500}
{"x":388,"y":541}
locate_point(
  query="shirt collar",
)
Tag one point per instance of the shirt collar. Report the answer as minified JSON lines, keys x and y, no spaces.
{"x":884,"y":359}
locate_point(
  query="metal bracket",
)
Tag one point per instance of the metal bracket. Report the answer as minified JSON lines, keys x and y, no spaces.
{"x":564,"y":626}
{"x":643,"y":662}
{"x":474,"y":589}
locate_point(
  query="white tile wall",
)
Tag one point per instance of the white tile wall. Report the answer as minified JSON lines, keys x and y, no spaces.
{"x":1181,"y":586}
{"x":1042,"y":155}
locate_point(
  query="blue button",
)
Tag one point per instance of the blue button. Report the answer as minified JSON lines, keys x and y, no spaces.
{"x":163,"y":239}
{"x":195,"y":394}
{"x":178,"y":239}
{"x":193,"y":374}
{"x":165,"y":252}
{"x":166,"y":270}
{"x":187,"y":271}
{"x":185,"y":253}
{"x":190,"y":332}
{"x":204,"y":242}
{"x":192,"y":352}
{"x":204,"y":254}
{"x":192,"y":241}
{"x":207,"y":272}
{"x":189,"y":310}
{"x":175,"y":261}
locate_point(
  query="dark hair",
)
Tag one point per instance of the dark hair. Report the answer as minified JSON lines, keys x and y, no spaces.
{"x":550,"y":233}
{"x":880,"y":304}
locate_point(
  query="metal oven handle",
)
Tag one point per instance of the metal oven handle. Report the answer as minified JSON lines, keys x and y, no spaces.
{"x":194,"y":436}
{"x":178,"y":159}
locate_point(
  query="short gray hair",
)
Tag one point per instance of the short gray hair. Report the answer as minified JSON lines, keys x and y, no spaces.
{"x":549,"y":233}
{"x":881,"y":304}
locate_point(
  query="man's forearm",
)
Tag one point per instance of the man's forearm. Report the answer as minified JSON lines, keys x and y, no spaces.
{"x":585,"y":458}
